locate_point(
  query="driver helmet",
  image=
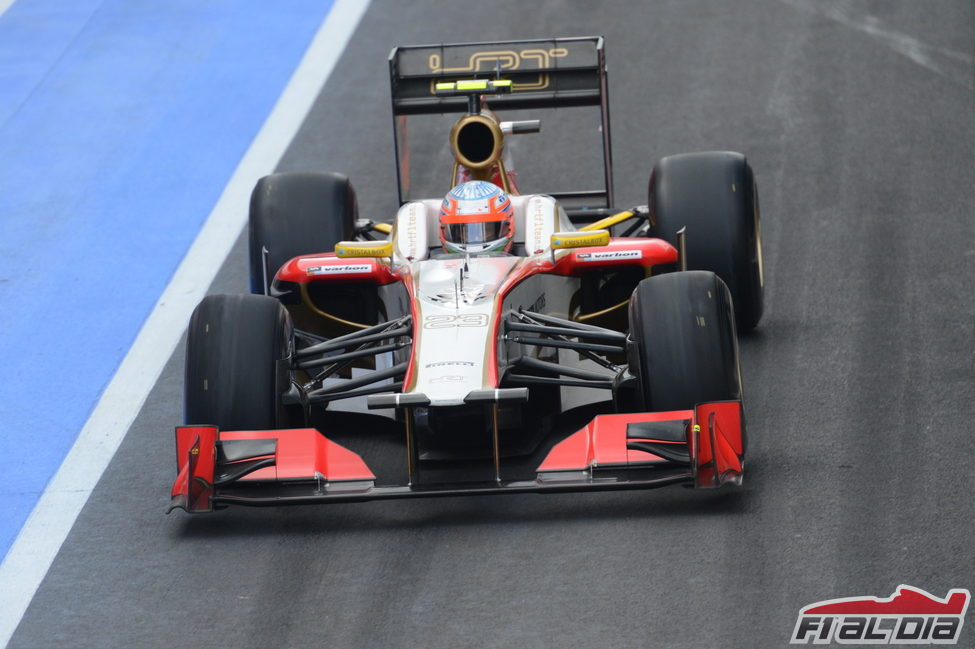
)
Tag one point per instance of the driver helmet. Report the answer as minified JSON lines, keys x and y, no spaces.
{"x":476,"y":216}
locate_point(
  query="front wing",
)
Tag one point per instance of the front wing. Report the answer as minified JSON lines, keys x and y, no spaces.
{"x":703,"y":447}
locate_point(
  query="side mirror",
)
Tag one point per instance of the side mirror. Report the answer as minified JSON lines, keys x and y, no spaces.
{"x":345,"y":249}
{"x":582,"y":239}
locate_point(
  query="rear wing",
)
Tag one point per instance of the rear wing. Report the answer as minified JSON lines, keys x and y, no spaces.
{"x":545,"y":73}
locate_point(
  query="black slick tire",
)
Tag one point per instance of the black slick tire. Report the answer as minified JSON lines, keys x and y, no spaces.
{"x":682,"y":345}
{"x":237,"y":363}
{"x":295,"y":214}
{"x":713,"y":195}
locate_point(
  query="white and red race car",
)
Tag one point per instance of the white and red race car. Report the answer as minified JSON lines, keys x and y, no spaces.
{"x":575,"y":360}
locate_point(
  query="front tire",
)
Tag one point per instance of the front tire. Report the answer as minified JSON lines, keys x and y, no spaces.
{"x":238,"y":351}
{"x":682,"y":345}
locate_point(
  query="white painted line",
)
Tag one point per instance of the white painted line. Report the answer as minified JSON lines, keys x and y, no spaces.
{"x":39,"y":541}
{"x":4,"y":5}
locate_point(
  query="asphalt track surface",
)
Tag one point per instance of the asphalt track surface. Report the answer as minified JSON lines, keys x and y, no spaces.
{"x":858,"y":118}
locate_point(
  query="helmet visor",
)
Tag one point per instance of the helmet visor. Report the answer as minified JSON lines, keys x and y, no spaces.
{"x":475,"y":233}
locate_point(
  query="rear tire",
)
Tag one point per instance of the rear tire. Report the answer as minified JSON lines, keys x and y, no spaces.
{"x":238,"y":352}
{"x":295,"y":214}
{"x":682,"y":346}
{"x":713,"y":194}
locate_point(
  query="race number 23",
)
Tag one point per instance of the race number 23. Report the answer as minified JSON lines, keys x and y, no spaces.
{"x":461,"y":320}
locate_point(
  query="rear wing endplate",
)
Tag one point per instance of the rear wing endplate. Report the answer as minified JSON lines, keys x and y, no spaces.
{"x":545,"y":73}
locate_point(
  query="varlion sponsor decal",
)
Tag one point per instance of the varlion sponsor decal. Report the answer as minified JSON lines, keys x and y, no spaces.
{"x":909,"y":616}
{"x":345,"y":269}
{"x":445,"y":363}
{"x":608,"y":255}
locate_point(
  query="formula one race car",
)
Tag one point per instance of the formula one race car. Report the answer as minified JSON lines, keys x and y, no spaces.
{"x":512,"y":348}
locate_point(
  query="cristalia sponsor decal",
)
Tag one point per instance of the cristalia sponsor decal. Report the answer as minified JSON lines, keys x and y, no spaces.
{"x":909,"y":616}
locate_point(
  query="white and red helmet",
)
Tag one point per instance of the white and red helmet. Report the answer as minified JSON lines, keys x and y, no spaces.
{"x":476,"y":216}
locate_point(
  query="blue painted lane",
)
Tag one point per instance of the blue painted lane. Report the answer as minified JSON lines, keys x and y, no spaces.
{"x":120,"y":123}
